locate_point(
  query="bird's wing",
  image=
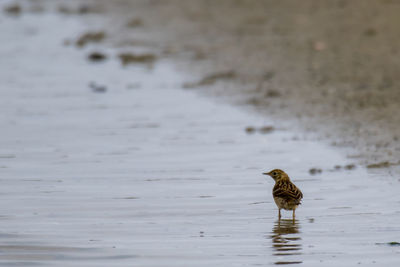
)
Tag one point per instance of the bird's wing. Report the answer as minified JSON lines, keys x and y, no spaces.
{"x":287,"y":191}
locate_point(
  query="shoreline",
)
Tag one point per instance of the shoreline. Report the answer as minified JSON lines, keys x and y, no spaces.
{"x":336,"y":82}
{"x":288,"y":68}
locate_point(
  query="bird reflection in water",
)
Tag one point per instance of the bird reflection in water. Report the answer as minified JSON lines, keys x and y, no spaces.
{"x":286,"y":242}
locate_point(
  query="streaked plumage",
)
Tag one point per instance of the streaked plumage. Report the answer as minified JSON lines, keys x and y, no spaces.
{"x":286,"y":195}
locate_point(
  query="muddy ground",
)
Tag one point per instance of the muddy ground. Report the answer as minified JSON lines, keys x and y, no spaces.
{"x":332,"y":66}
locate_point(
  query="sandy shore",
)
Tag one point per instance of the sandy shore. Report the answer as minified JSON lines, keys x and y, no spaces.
{"x":331,"y":67}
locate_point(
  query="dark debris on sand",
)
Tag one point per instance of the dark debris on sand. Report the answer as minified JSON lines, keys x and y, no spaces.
{"x":13,"y":9}
{"x":97,"y":56}
{"x":314,"y":171}
{"x":350,"y":167}
{"x":211,"y":79}
{"x":97,"y":88}
{"x":130,"y":58}
{"x":135,"y":22}
{"x":383,"y":164}
{"x":79,"y":10}
{"x":90,"y":37}
{"x":266,"y":129}
{"x":392,"y":244}
{"x":263,"y":130}
{"x":250,"y":130}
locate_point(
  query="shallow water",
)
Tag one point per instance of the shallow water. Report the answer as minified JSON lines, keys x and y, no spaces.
{"x":146,"y":174}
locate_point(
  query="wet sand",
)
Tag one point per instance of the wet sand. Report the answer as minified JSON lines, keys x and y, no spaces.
{"x":329,"y":66}
{"x":104,"y":164}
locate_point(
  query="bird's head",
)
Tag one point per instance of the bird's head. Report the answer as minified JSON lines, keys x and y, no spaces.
{"x":277,"y":175}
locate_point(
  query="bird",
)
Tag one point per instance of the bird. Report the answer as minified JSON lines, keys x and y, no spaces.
{"x":286,"y":195}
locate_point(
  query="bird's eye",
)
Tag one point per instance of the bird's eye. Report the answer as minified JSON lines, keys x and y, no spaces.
{"x":274,"y":173}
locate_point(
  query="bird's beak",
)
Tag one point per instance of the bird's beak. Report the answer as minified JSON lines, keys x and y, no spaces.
{"x":266,"y":173}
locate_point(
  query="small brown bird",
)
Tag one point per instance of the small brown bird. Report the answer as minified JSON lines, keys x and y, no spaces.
{"x":286,"y":195}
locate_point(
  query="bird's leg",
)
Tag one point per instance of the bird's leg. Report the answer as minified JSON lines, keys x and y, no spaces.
{"x":294,"y":215}
{"x":279,"y":214}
